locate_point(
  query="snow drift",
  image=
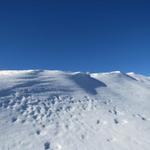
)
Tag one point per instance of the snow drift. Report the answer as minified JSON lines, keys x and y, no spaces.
{"x":56,"y":110}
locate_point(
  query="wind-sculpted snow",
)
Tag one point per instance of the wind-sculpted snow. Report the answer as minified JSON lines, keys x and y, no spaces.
{"x":86,"y":82}
{"x":55,"y":110}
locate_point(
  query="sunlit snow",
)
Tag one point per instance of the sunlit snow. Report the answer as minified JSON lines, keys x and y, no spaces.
{"x":56,"y":110}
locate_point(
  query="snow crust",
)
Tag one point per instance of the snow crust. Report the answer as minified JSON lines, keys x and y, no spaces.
{"x":56,"y":110}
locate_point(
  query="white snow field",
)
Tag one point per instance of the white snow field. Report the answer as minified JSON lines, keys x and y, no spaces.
{"x":56,"y":110}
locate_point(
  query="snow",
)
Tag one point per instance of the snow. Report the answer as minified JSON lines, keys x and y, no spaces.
{"x":56,"y":110}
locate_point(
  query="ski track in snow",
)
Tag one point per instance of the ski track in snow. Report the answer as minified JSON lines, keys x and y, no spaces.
{"x":56,"y":110}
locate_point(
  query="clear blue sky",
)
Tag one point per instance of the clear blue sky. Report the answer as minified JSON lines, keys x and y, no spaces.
{"x":76,"y":35}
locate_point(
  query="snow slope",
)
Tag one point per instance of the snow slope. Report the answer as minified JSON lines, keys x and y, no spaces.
{"x":56,"y":110}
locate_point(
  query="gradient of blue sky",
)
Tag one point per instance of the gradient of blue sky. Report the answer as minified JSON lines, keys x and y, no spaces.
{"x":86,"y":35}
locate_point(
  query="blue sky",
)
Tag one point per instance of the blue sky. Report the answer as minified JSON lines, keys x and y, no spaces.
{"x":91,"y":35}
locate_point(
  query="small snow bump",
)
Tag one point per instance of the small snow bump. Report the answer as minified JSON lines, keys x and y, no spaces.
{"x":124,"y":121}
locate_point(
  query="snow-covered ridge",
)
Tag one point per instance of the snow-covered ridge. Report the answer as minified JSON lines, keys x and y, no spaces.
{"x":57,"y":110}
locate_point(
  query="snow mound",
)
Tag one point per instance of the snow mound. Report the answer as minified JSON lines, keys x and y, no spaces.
{"x":56,"y":110}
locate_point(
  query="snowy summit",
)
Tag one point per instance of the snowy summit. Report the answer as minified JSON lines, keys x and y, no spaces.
{"x":56,"y":110}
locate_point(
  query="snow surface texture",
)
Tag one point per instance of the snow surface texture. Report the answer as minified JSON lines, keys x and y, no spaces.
{"x":55,"y":110}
